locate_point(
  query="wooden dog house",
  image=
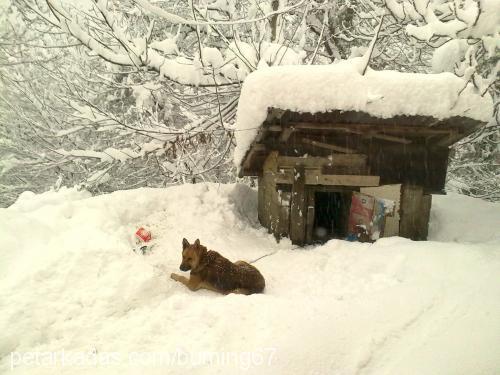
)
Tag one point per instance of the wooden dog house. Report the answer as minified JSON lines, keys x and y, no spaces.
{"x":312,"y":165}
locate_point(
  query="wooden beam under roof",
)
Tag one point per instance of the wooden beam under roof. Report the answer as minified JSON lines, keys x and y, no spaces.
{"x":329,"y":146}
{"x":361,"y":128}
{"x":391,"y":138}
{"x":373,"y":134}
{"x":286,"y":133}
{"x":450,"y":139}
{"x":342,"y":160}
{"x":254,"y":148}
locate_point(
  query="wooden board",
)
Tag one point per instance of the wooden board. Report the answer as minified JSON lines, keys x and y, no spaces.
{"x":342,"y":160}
{"x":415,"y":210}
{"x":328,"y":146}
{"x":310,"y":204}
{"x":298,"y":212}
{"x":315,"y":177}
{"x":285,"y":135}
{"x":341,"y":180}
{"x":284,"y":176}
{"x":364,"y":170}
{"x":268,"y":216}
{"x":265,"y":213}
{"x":384,"y":128}
{"x":425,"y":214}
{"x":254,"y":149}
{"x":284,"y":212}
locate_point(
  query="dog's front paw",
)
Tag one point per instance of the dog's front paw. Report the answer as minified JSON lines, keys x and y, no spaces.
{"x":175,"y":277}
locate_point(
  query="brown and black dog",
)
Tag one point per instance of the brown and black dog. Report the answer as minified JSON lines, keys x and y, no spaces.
{"x":210,"y":270}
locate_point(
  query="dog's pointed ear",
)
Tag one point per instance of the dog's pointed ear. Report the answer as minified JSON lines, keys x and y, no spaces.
{"x":185,"y":243}
{"x":197,"y":242}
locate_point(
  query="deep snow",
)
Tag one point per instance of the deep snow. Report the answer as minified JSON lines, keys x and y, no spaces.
{"x":70,"y":281}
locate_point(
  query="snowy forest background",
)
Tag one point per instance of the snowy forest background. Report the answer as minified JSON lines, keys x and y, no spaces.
{"x":111,"y":95}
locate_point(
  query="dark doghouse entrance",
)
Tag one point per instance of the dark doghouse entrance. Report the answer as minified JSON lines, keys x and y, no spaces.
{"x":331,"y":214}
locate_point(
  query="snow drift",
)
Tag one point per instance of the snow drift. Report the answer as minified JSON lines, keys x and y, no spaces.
{"x":70,"y":284}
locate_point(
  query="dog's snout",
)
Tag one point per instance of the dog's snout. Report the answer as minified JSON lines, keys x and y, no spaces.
{"x":184,"y":267}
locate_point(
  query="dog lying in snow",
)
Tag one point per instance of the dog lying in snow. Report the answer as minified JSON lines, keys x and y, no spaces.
{"x":210,"y":270}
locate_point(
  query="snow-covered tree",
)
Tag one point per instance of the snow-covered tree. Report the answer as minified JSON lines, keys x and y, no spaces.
{"x":464,"y":35}
{"x":124,"y":94}
{"x":113,"y":94}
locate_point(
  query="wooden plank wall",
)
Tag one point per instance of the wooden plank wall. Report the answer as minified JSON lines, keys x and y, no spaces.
{"x":268,"y":187}
{"x":425,"y":215}
{"x":291,"y":213}
{"x":415,"y":213}
{"x":285,"y":198}
{"x":274,"y":205}
{"x":298,"y":211}
{"x":311,"y":207}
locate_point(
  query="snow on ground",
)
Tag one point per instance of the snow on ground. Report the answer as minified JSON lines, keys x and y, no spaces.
{"x":459,"y":218}
{"x":341,"y":86}
{"x":70,"y":282}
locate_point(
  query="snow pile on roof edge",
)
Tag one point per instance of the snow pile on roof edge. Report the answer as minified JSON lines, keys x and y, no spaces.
{"x":320,"y":88}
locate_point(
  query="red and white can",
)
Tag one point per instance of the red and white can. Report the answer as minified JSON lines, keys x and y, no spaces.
{"x":143,"y":235}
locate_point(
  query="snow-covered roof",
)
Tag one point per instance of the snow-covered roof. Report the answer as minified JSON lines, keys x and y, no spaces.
{"x":341,"y":86}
